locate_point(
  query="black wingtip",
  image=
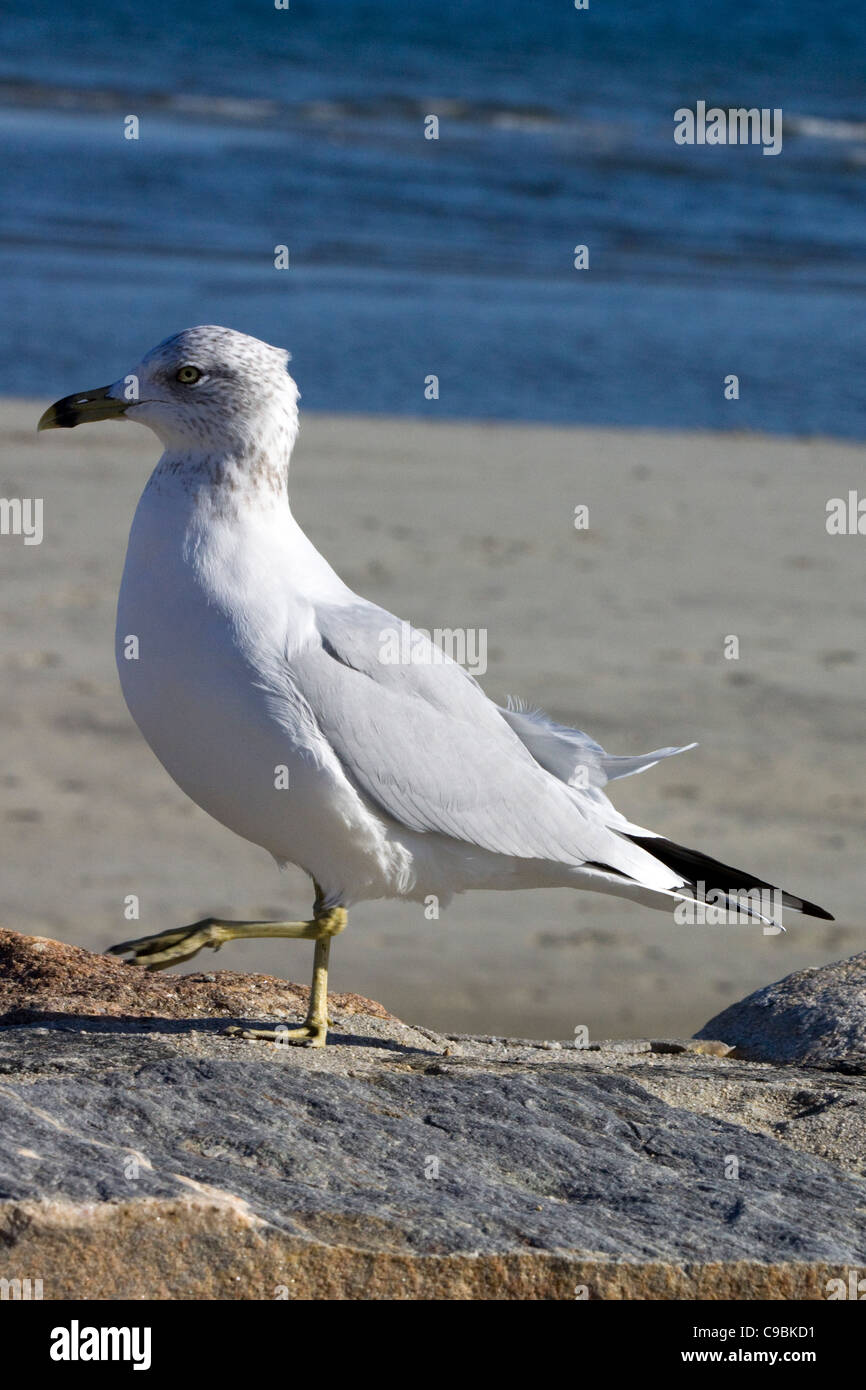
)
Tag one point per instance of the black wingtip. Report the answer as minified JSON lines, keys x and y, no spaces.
{"x":812,"y":910}
{"x":693,"y":866}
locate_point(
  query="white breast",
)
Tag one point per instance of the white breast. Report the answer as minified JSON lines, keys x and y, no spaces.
{"x":209,"y":612}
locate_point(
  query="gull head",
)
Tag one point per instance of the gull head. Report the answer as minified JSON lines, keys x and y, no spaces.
{"x":205,"y":391}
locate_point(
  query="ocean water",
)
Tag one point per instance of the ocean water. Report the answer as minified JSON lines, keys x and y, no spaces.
{"x":409,"y":257}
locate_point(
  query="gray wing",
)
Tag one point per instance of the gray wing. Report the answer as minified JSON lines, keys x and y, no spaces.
{"x":422,"y":741}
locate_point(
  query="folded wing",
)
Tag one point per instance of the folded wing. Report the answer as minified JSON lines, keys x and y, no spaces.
{"x":421,"y":740}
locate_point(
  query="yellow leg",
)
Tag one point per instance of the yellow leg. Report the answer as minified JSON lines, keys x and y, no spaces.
{"x":313,"y":1032}
{"x":173,"y":947}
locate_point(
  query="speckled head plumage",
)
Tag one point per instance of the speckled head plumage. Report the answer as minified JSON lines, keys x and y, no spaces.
{"x":206,"y":391}
{"x":212,"y":389}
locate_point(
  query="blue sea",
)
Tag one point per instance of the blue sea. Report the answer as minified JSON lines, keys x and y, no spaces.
{"x":410,"y":257}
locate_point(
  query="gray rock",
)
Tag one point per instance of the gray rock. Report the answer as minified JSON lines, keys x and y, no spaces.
{"x":146,"y":1157}
{"x":811,"y":1016}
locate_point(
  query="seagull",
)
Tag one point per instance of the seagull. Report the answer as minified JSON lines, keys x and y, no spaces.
{"x":260,"y":681}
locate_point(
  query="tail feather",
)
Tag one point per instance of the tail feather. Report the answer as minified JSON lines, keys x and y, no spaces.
{"x":696,"y":868}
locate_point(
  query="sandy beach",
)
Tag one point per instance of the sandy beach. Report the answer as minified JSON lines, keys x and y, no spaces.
{"x":619,"y":629}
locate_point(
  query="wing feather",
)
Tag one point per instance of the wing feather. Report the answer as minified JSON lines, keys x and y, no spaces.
{"x":422,"y":741}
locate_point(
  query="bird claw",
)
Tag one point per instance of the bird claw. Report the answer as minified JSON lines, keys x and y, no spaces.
{"x":172,"y":947}
{"x":308,"y":1035}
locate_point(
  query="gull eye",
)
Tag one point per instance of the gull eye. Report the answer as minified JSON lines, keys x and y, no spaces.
{"x":188,"y":375}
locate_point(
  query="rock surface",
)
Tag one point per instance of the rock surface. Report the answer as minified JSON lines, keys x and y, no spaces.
{"x":41,"y":979}
{"x":145,"y":1155}
{"x":810,"y":1016}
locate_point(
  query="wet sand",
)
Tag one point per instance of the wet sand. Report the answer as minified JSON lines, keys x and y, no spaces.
{"x":619,"y":629}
